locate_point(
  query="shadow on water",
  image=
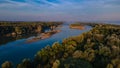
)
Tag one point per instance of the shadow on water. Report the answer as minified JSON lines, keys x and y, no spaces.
{"x":4,"y":39}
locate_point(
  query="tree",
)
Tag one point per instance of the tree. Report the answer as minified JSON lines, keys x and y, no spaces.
{"x":7,"y":64}
{"x":79,"y":38}
{"x":118,"y":66}
{"x":89,"y":54}
{"x":104,"y":50}
{"x":56,"y":64}
{"x":109,"y":66}
{"x":25,"y":64}
{"x":115,"y":61}
{"x":74,"y":63}
{"x":39,"y":29}
{"x":77,"y":54}
{"x":99,"y":37}
{"x":18,"y":30}
{"x":70,"y":49}
{"x":56,"y":45}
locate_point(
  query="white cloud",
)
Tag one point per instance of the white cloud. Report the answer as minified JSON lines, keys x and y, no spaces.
{"x":9,"y":3}
{"x":89,"y":9}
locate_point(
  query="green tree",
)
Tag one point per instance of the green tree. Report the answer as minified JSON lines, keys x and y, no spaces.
{"x":18,"y":30}
{"x":109,"y":66}
{"x":70,"y":49}
{"x":6,"y":64}
{"x":78,"y":54}
{"x":39,"y":29}
{"x":115,"y":61}
{"x":26,"y":63}
{"x":104,"y":50}
{"x":89,"y":54}
{"x":74,"y":63}
{"x":56,"y":64}
{"x":118,"y":66}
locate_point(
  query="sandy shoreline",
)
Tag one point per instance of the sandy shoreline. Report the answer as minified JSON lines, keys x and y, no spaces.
{"x":78,"y":27}
{"x":43,"y":36}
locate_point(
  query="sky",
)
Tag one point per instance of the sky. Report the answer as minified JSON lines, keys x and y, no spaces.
{"x":59,"y":10}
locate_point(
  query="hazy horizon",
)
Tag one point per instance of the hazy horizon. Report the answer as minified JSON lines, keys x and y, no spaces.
{"x":59,"y":10}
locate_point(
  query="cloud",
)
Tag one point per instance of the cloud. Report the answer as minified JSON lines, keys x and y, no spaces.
{"x":61,"y":3}
{"x":62,"y":9}
{"x":11,"y":3}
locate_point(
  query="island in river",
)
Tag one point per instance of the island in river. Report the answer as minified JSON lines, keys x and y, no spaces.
{"x":77,"y":26}
{"x":44,"y":35}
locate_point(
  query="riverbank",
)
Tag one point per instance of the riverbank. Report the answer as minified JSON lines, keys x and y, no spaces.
{"x":77,"y":26}
{"x":43,"y":36}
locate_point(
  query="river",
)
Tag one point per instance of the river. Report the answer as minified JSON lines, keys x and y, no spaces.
{"x":16,"y":51}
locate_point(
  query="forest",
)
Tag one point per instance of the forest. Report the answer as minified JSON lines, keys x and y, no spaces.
{"x":18,"y":28}
{"x":97,"y":48}
{"x":11,"y":30}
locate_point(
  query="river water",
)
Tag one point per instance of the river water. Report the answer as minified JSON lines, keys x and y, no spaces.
{"x":16,"y":51}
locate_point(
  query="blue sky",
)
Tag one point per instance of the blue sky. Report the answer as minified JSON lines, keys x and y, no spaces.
{"x":60,"y":10}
